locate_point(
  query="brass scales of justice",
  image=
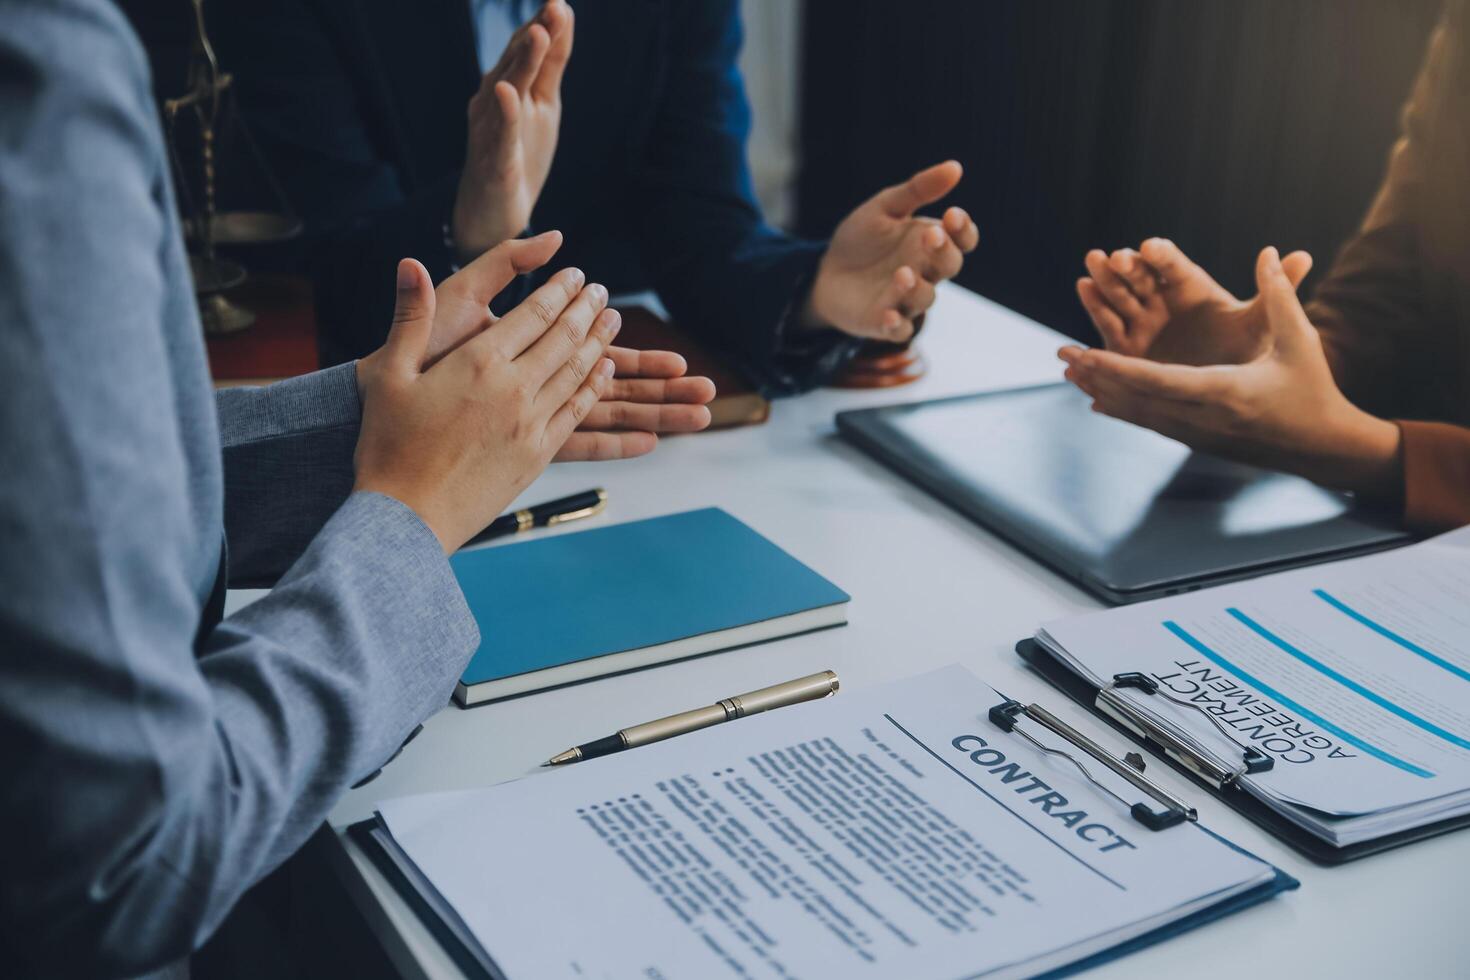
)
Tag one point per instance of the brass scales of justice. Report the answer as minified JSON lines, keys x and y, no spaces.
{"x":205,"y":226}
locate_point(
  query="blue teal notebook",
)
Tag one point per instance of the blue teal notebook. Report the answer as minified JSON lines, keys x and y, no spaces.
{"x":578,"y":606}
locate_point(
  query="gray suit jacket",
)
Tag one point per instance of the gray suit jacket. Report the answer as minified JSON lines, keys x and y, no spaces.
{"x":156,"y":760}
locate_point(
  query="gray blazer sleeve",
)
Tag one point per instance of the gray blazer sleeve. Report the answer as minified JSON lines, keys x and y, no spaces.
{"x":288,"y":465}
{"x":155,"y":764}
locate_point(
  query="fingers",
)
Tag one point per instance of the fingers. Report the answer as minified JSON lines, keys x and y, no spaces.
{"x":615,"y":415}
{"x":1112,"y":286}
{"x":890,"y":320}
{"x":918,"y":299}
{"x":1169,"y":261}
{"x":587,"y":353}
{"x":509,"y":103}
{"x":480,"y":281}
{"x":647,"y":363}
{"x":1177,"y":382}
{"x":596,"y":446}
{"x":924,"y":187}
{"x":961,"y":229}
{"x":1284,"y":313}
{"x":1104,"y":317}
{"x":553,"y":321}
{"x":413,"y":316}
{"x":660,"y":391}
{"x":558,"y":19}
{"x":566,"y":419}
{"x":533,"y":46}
{"x":941,"y":257}
{"x":1138,"y":274}
{"x":516,"y":332}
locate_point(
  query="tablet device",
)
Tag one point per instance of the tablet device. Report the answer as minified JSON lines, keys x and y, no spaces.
{"x":1126,"y":513}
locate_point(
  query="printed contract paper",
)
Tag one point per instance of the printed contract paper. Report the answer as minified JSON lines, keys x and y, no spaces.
{"x":1354,"y":677}
{"x":893,"y":832}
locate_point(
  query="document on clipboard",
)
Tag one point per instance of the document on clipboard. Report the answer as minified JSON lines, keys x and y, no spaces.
{"x":927,"y":828}
{"x":1336,"y":697}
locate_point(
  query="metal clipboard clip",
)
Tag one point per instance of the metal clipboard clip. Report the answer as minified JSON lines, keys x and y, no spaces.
{"x":1005,"y":716}
{"x":1112,"y":704}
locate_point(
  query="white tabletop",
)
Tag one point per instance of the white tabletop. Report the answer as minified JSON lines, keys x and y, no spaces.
{"x":929,"y":588}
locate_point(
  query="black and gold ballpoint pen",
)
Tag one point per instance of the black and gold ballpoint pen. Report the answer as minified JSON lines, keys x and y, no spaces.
{"x":573,"y":508}
{"x":808,"y":688}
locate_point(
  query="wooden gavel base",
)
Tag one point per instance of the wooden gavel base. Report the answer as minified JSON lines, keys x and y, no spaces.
{"x":881,"y":366}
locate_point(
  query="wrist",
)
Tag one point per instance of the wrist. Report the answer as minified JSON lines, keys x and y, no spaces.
{"x":474,"y":227}
{"x":814,"y":312}
{"x":1366,"y":458}
{"x":361,"y":370}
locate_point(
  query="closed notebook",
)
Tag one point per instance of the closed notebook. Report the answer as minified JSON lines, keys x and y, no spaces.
{"x":578,"y":606}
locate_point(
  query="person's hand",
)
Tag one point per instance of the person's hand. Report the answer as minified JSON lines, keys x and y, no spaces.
{"x":649,"y":394}
{"x":513,"y":123}
{"x":878,"y":274}
{"x":1156,"y":303}
{"x":1280,"y":409}
{"x":457,"y":441}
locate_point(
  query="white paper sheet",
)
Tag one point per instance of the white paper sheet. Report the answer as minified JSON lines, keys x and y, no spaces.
{"x":888,"y":833}
{"x":1354,"y":677}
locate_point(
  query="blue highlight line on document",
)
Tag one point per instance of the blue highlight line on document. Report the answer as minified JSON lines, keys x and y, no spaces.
{"x":1347,"y":682}
{"x":1312,"y":716}
{"x":1389,"y":634}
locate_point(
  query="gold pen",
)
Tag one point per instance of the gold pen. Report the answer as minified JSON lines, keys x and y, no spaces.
{"x":810,"y":688}
{"x":574,"y":508}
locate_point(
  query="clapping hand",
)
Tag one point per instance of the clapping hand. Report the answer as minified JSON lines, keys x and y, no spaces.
{"x":1156,"y":303}
{"x":1276,"y":406}
{"x":457,"y":435}
{"x":514,"y":119}
{"x":879,"y":273}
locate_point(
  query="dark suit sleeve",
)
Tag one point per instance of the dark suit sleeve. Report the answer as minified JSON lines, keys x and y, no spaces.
{"x":301,"y":97}
{"x":723,"y":273}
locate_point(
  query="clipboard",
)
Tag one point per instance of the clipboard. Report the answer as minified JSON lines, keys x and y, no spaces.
{"x":1157,"y":811}
{"x":1205,"y":774}
{"x":369,"y":836}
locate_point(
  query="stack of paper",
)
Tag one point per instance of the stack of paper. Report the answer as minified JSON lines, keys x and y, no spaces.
{"x":895,"y":832}
{"x":1354,"y":677}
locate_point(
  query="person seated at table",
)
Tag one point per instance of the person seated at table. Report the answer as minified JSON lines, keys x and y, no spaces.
{"x":1311,"y":390}
{"x":160,"y":757}
{"x":633,"y":144}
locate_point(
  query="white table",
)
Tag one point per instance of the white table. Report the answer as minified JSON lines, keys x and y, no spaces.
{"x":929,"y":588}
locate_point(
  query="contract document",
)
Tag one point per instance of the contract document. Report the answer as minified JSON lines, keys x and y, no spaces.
{"x":893,"y":832}
{"x":1354,"y":678}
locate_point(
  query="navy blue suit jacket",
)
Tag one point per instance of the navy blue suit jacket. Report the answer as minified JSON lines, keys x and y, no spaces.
{"x":360,"y":107}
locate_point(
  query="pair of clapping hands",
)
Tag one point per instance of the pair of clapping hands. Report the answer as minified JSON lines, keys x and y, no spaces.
{"x":1247,"y":379}
{"x":461,"y":410}
{"x":878,"y":274}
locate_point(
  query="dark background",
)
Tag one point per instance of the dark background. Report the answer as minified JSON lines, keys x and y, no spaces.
{"x":1226,"y":126}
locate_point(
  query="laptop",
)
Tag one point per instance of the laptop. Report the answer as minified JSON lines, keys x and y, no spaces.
{"x":1124,"y":512}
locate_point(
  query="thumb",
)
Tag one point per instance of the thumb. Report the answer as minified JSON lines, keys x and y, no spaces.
{"x":924,"y":187}
{"x":1284,"y":314}
{"x":485,"y":277}
{"x":413,"y":314}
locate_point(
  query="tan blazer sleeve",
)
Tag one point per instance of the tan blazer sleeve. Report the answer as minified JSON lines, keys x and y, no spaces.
{"x":1370,"y":310}
{"x":1436,"y":475}
{"x":1391,"y":310}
